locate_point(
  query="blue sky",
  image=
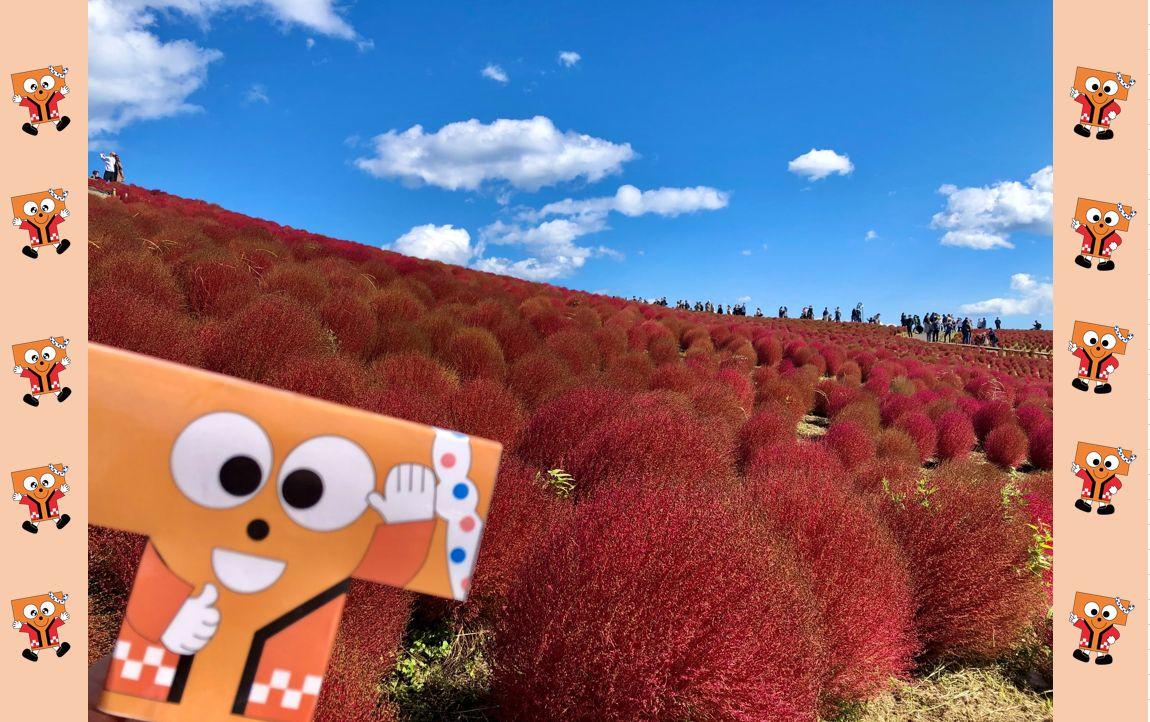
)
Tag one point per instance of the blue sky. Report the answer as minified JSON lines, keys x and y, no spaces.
{"x":301,"y":111}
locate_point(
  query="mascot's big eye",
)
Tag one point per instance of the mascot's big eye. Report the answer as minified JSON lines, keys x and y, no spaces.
{"x":221,"y":459}
{"x":1108,"y":341}
{"x":47,"y":609}
{"x":30,"y":483}
{"x":47,"y":82}
{"x":30,"y":208}
{"x":1091,"y":609}
{"x":47,"y":205}
{"x":1111,"y":218}
{"x":1093,"y":458}
{"x":1092,"y":83}
{"x":31,"y":611}
{"x":48,"y":353}
{"x":1093,"y":215}
{"x":325,"y":481}
{"x":31,"y":357}
{"x":31,"y":86}
{"x":1109,"y":612}
{"x":1090,"y":338}
{"x":1111,"y":462}
{"x":47,"y":480}
{"x":1110,"y":87}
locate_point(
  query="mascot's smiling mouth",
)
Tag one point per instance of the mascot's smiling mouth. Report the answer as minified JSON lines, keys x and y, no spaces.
{"x":245,"y":573}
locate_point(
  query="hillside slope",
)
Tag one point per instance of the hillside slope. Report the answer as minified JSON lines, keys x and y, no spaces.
{"x":723,"y":478}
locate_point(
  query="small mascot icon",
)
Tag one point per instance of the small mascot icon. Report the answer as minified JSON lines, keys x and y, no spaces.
{"x":1098,"y":93}
{"x":1095,"y":345}
{"x":260,"y":506}
{"x":41,"y":489}
{"x":40,"y":215}
{"x":1099,"y":467}
{"x":1099,"y":222}
{"x":1096,"y":616}
{"x":42,"y":362}
{"x":40,"y":617}
{"x":40,"y":91}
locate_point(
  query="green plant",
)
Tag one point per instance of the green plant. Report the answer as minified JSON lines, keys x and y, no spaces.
{"x":441,"y":673}
{"x":557,"y":481}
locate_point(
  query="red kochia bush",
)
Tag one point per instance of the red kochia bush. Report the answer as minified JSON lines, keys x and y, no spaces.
{"x":654,"y":440}
{"x":850,"y":442}
{"x":369,"y":635}
{"x":762,"y":431}
{"x":990,"y":416}
{"x":1041,"y":443}
{"x":968,"y":561}
{"x":856,"y":571}
{"x":657,"y":605}
{"x":558,"y":426}
{"x":1006,"y":446}
{"x":920,"y":429}
{"x":475,"y":353}
{"x":120,"y":318}
{"x":955,"y":435}
{"x":261,"y":337}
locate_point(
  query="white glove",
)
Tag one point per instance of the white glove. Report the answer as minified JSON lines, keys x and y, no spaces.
{"x":17,"y":370}
{"x":16,"y":496}
{"x":15,"y":98}
{"x":1074,"y":467}
{"x":1073,"y":347}
{"x":64,"y":616}
{"x":65,"y":213}
{"x":64,"y":90}
{"x":15,"y":222}
{"x":1074,"y":93}
{"x":194,"y":624}
{"x":1075,"y":224}
{"x":1112,"y":115}
{"x":16,"y":625}
{"x":64,"y":488}
{"x":410,"y":495}
{"x":1112,"y":246}
{"x":1073,"y":618}
{"x":65,"y":362}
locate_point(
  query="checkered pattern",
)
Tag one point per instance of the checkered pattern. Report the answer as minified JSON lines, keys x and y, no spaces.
{"x":277,"y":691}
{"x":154,"y":666}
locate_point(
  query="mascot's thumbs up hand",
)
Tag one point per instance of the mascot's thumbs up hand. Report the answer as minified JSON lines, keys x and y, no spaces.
{"x":1074,"y":93}
{"x":195,"y":624}
{"x":1072,"y":347}
{"x":1073,"y":618}
{"x":1074,"y":467}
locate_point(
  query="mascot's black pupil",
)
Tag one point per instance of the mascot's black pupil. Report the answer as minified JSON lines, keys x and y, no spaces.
{"x":240,"y":475}
{"x":303,"y":488}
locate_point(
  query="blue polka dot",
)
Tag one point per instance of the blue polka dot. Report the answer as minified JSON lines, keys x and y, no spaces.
{"x":460,"y":490}
{"x":458,"y":555}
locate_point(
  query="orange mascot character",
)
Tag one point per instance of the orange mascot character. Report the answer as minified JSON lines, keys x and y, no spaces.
{"x":1099,"y":468}
{"x":1097,"y":618}
{"x":1099,"y":222}
{"x":41,"y":489}
{"x":40,"y":617}
{"x":1097,"y":93}
{"x":40,"y":216}
{"x":1096,"y":347}
{"x":260,"y":506}
{"x":42,"y":362}
{"x":39,"y":92}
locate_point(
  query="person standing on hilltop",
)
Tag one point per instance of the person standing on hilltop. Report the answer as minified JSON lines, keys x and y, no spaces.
{"x":111,"y":166}
{"x":838,"y":314}
{"x":997,"y":323}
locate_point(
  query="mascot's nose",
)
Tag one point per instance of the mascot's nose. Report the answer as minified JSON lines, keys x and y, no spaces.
{"x":258,"y":529}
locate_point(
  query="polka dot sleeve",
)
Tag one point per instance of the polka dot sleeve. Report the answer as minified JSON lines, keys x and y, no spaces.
{"x":456,"y":502}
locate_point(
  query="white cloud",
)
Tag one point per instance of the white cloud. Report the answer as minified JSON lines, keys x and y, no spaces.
{"x":310,"y":43}
{"x":1031,"y":297}
{"x":984,"y":217}
{"x":526,"y":154}
{"x":870,"y":235}
{"x":743,"y":299}
{"x":492,"y":71}
{"x":134,"y":75}
{"x":818,"y":164}
{"x":568,"y":58}
{"x":551,"y":244}
{"x":630,"y":201}
{"x":438,"y":243}
{"x":257,"y":94}
{"x":745,"y":252}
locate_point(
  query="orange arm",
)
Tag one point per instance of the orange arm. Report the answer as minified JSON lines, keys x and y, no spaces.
{"x":156,"y":596}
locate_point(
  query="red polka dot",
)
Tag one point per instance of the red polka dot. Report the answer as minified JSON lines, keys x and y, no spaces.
{"x":467,"y":523}
{"x":448,"y":460}
{"x":466,"y":583}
